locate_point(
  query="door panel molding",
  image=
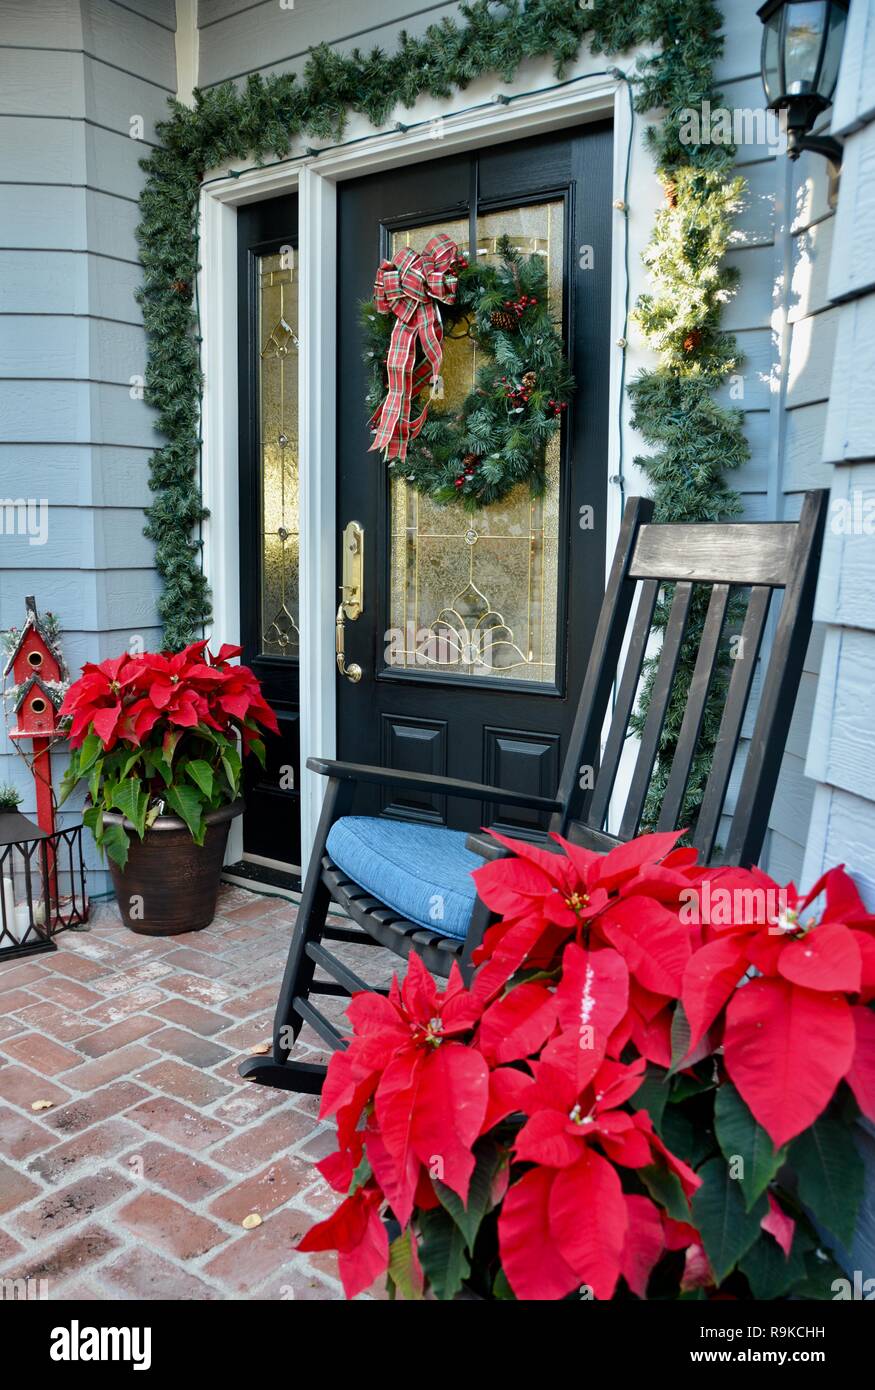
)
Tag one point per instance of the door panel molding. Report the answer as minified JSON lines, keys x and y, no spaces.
{"x":585,"y":95}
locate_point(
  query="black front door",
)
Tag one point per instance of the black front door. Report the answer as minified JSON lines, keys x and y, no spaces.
{"x":536,"y":566}
{"x":267,"y":238}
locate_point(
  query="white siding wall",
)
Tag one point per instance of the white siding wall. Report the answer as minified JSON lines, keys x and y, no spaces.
{"x":73,"y":76}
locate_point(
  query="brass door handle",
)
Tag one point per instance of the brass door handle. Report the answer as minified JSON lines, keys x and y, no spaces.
{"x":353,"y":672}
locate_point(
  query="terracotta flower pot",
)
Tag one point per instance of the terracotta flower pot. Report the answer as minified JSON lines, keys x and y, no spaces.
{"x":169,"y":884}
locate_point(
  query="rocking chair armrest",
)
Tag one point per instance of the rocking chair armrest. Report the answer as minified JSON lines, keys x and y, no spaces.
{"x":424,"y":782}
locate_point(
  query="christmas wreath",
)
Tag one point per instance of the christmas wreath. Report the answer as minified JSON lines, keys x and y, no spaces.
{"x":474,"y":454}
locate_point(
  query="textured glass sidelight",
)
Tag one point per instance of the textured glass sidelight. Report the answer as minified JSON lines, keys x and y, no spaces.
{"x":474,"y":594}
{"x":278,"y":445}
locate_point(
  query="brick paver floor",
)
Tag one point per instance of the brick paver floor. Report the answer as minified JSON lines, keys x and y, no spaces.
{"x":131,"y":1153}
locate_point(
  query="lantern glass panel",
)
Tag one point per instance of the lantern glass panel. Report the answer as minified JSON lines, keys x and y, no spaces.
{"x":771,"y":56}
{"x":804,"y":36}
{"x":829,"y":72}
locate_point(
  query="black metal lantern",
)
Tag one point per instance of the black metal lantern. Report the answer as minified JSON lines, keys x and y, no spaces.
{"x":42,"y":885}
{"x":801,"y":53}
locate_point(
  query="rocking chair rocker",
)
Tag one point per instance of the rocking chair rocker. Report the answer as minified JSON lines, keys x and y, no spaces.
{"x":387,"y":874}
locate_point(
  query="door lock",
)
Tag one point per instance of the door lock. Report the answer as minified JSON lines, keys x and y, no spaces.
{"x":352,"y":595}
{"x":353,"y":570}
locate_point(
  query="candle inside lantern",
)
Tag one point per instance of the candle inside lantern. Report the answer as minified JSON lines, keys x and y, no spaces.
{"x":9,"y":913}
{"x":22,"y":921}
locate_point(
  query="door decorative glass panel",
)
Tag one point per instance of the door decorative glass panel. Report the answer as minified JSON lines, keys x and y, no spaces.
{"x":473,"y":595}
{"x":278,"y":442}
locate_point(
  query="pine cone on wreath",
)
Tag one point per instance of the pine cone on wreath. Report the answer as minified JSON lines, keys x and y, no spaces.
{"x":504,"y":320}
{"x":530,"y":380}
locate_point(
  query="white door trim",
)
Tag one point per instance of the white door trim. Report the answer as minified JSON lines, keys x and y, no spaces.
{"x":315,"y":179}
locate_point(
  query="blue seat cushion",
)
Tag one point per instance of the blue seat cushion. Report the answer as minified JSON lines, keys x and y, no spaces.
{"x":422,"y":871}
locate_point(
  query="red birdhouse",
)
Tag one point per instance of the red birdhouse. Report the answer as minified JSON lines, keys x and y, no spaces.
{"x":39,"y":673}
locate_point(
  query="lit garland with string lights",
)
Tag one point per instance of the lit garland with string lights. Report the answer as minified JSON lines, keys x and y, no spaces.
{"x":674,"y":407}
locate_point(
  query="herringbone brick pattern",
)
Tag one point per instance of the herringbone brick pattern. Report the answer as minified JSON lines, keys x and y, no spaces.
{"x":130,"y":1151}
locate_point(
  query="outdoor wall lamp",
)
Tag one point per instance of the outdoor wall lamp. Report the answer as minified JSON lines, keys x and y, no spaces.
{"x":802,"y":49}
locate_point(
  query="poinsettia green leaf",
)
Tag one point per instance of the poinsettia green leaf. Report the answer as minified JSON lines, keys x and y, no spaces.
{"x":115,"y":842}
{"x":132,"y":800}
{"x":94,"y":779}
{"x":681,"y":1034}
{"x":665,"y":1189}
{"x":770,"y":1272}
{"x":468,"y":1215}
{"x":404,"y":1270}
{"x":740,"y":1137}
{"x":653,"y":1093}
{"x":232,"y":764}
{"x":727,"y":1228}
{"x":187,"y":803}
{"x":501,"y":1289}
{"x":200,"y":773}
{"x":89,"y":751}
{"x":442,"y":1253}
{"x":830,"y":1174}
{"x":687,"y":1137}
{"x":257,"y":747}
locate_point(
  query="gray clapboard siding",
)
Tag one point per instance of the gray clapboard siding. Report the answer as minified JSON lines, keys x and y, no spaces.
{"x":51,"y":24}
{"x":844,"y":754}
{"x":64,"y":282}
{"x":73,"y":347}
{"x":812,"y":349}
{"x":854,"y":271}
{"x":744,"y":93}
{"x":130,"y":41}
{"x":751,"y":307}
{"x":812,"y":248}
{"x":854,"y":103}
{"x":71,"y":151}
{"x":757,"y":349}
{"x":75,"y":219}
{"x":73,"y":411}
{"x":850,"y":432}
{"x":78,"y":475}
{"x":65,"y":85}
{"x":846,"y":592}
{"x":803,"y":466}
{"x":754,"y":223}
{"x":92,"y":539}
{"x":271,"y":41}
{"x":267,"y":38}
{"x":740,"y":57}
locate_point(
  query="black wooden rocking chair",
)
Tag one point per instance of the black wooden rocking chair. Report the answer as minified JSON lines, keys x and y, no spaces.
{"x":385,"y":859}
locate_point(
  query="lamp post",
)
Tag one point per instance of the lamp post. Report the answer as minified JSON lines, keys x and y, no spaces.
{"x":801,"y":53}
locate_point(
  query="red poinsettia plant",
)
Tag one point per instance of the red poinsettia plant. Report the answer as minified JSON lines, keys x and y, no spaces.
{"x":648,"y":1090}
{"x":161,"y":732}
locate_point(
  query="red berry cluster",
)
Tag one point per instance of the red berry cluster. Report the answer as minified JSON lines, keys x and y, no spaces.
{"x":557,"y":407}
{"x":520,"y":305}
{"x":465,"y":477}
{"x":518,"y":395}
{"x":460,"y":263}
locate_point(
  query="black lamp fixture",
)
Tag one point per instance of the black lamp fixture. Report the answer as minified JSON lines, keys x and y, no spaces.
{"x":802,"y":49}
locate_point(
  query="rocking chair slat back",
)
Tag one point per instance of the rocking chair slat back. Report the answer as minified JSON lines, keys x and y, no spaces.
{"x":678,"y":562}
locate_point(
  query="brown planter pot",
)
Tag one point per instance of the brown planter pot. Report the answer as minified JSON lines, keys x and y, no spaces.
{"x":169,"y":884}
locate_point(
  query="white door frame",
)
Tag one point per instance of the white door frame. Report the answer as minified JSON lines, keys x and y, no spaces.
{"x":315,"y":178}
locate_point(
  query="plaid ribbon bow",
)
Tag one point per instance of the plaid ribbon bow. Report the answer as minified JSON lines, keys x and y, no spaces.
{"x":409,"y":287}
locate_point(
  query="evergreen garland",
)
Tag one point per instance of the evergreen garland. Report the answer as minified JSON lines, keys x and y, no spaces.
{"x":695,"y":439}
{"x":499,"y":436}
